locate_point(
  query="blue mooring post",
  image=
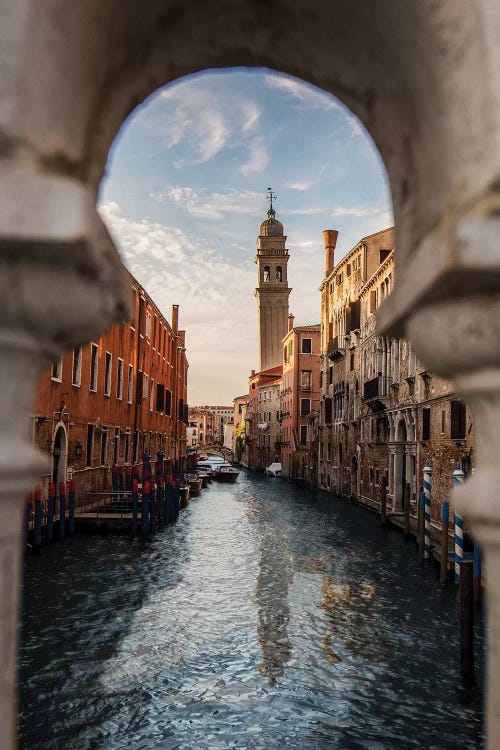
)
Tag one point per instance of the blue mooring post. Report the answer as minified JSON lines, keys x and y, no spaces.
{"x":62,"y":509}
{"x":458,"y":479}
{"x":51,"y":509}
{"x":160,"y":499}
{"x":27,"y":516}
{"x":170,"y":502}
{"x":427,"y":513}
{"x":177,"y":499}
{"x":146,"y":489}
{"x":37,"y":527}
{"x":146,"y":467}
{"x":421,"y":524}
{"x":71,"y":503}
{"x":135,"y":505}
{"x":445,"y":520}
{"x":152,"y":508}
{"x":477,"y":575}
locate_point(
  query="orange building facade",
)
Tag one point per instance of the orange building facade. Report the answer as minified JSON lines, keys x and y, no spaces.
{"x":300,"y":401}
{"x":110,"y":400}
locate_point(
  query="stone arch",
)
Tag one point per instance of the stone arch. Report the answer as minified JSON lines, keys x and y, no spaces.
{"x":59,"y":454}
{"x":437,"y":127}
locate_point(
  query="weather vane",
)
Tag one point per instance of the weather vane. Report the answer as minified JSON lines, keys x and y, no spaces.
{"x":271,"y":197}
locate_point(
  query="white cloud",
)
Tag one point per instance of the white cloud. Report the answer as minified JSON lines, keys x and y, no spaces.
{"x":251,"y":115}
{"x":358,"y":211}
{"x":213,"y":206}
{"x":308,"y":95}
{"x":305,"y":211}
{"x":214,"y":294}
{"x":258,"y":161}
{"x":300,"y":186}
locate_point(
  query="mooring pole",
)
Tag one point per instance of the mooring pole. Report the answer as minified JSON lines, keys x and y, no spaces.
{"x":466,"y":618}
{"x":62,"y":509}
{"x":146,"y":489}
{"x":445,"y":522}
{"x":152,"y":508}
{"x":51,"y":509}
{"x":477,"y":576}
{"x":458,"y":479}
{"x":407,"y":510}
{"x":28,"y":505}
{"x":427,"y":511}
{"x":135,"y":505}
{"x":71,"y":507}
{"x":383,"y":502}
{"x":37,"y":527}
{"x":421,"y":524}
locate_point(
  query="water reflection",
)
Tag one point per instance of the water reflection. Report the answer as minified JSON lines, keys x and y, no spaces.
{"x":268,"y":616}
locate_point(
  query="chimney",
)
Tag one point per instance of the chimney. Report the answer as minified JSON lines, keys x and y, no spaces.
{"x":175,"y":318}
{"x":291,"y":318}
{"x":330,"y":240}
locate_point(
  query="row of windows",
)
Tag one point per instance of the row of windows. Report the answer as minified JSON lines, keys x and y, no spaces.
{"x":144,"y":388}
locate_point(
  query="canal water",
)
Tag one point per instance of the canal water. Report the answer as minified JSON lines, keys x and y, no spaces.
{"x":268,"y":616}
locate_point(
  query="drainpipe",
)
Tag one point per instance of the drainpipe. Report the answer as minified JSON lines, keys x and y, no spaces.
{"x":175,"y":339}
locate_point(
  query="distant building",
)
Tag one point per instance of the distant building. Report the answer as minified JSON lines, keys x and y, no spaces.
{"x":300,"y":399}
{"x":110,"y":400}
{"x":240,"y":406}
{"x":258,"y":382}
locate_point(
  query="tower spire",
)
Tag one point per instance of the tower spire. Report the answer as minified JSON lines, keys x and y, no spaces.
{"x":271,"y":197}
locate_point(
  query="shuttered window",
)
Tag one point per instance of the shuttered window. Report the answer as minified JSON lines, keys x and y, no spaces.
{"x":160,"y":397}
{"x":168,"y":402}
{"x":328,"y":410}
{"x":457,"y":420}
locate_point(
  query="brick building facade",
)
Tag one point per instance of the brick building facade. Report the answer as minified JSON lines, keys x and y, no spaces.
{"x":109,"y":400}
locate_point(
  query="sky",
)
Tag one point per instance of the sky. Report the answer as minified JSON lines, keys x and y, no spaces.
{"x":185,"y":193}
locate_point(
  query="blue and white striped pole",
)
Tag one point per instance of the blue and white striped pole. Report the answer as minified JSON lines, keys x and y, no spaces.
{"x":427,"y":511}
{"x":458,"y":479}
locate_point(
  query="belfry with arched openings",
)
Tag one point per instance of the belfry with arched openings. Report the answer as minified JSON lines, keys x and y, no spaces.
{"x":272,"y":291}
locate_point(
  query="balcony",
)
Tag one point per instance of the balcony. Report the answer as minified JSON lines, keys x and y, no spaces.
{"x":335,"y":348}
{"x":376,"y":393}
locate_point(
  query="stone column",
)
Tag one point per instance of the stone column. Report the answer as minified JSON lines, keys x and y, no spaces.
{"x":61,"y":283}
{"x":465,"y":345}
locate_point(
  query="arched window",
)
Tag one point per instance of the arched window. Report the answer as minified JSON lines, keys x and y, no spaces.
{"x":279,"y":274}
{"x":267,"y":274}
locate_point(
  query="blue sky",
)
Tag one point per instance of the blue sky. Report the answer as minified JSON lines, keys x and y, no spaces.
{"x":185,"y":193}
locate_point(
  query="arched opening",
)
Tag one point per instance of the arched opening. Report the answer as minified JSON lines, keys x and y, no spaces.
{"x":59,"y":455}
{"x":354,"y":476}
{"x":381,"y":80}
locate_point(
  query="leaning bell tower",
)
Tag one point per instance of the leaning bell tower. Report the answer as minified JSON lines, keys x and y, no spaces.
{"x":272,"y":291}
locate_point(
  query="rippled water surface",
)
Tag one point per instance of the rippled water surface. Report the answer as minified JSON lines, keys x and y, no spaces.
{"x":268,"y":616}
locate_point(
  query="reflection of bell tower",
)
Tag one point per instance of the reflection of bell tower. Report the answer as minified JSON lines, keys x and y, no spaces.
{"x":272,"y":290}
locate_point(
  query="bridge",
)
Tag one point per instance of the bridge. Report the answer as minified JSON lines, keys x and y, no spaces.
{"x":218,"y":450}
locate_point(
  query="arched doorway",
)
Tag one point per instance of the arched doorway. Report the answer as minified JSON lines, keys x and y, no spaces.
{"x":59,"y":455}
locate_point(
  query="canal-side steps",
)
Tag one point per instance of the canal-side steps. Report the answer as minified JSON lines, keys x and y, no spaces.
{"x":137,"y":503}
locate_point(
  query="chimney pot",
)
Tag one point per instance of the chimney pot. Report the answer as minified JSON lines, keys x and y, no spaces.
{"x":330,"y":241}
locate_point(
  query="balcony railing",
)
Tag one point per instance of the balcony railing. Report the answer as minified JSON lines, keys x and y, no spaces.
{"x":376,"y":389}
{"x":335,"y":348}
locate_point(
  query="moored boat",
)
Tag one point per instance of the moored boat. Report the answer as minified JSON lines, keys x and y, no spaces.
{"x":226,"y":473}
{"x":194,"y":483}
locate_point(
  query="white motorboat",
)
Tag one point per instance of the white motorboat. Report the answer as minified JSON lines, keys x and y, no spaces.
{"x":273,"y":470}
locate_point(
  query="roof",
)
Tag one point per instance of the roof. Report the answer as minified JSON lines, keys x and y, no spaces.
{"x":237,"y":398}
